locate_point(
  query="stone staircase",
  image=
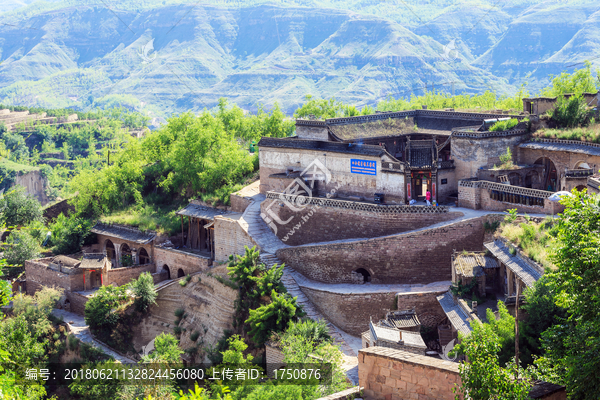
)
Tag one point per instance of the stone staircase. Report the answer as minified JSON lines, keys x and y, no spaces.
{"x":257,"y":229}
{"x":292,"y":287}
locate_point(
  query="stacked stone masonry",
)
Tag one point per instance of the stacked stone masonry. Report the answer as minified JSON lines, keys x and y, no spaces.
{"x":419,"y":257}
{"x":320,"y":224}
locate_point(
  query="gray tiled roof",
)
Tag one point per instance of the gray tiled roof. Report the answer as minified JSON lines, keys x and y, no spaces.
{"x":124,"y":232}
{"x":569,"y":147}
{"x":403,"y":319}
{"x":349,"y":148}
{"x":93,"y":261}
{"x":525,"y":273}
{"x":201,"y":212}
{"x":459,"y":320}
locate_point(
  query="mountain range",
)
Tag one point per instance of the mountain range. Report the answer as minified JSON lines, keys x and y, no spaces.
{"x":168,"y":57}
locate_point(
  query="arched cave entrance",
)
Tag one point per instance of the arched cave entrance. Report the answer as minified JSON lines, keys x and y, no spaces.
{"x":366,"y":275}
{"x":550,"y":178}
{"x":180,"y":273}
{"x":111,"y":253}
{"x":144,"y":257}
{"x":168,"y":271}
{"x":126,"y":258}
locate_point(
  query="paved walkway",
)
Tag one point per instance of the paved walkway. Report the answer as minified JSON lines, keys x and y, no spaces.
{"x":81,"y":331}
{"x":258,"y":230}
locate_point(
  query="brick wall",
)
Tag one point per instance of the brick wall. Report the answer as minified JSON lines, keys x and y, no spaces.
{"x":419,"y":257}
{"x":122,"y":276}
{"x":397,"y":375}
{"x":77,"y":302}
{"x":239,"y":203}
{"x":312,"y":132}
{"x":448,"y":189}
{"x":273,"y":357}
{"x":38,"y":274}
{"x":469,"y":197}
{"x":352,"y":311}
{"x":323,"y":224}
{"x":177,"y":259}
{"x":479,"y":199}
{"x":230,"y":238}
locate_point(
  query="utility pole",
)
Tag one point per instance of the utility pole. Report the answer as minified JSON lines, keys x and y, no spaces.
{"x":517,"y":328}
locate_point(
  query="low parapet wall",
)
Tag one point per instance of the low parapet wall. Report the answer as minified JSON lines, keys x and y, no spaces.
{"x":492,"y":196}
{"x":334,"y":219}
{"x":419,"y":257}
{"x":395,"y":374}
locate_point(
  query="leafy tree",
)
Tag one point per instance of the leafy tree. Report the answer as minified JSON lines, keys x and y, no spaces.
{"x":99,"y":313}
{"x":17,"y":208}
{"x":36,"y":309}
{"x":144,"y":290}
{"x":69,"y":233}
{"x":483,"y":377}
{"x":578,"y":82}
{"x":504,"y":329}
{"x":273,"y":317}
{"x":99,"y":389}
{"x":574,"y":346}
{"x":20,"y":247}
{"x":166,"y":349}
{"x":542,"y":313}
{"x":570,"y":112}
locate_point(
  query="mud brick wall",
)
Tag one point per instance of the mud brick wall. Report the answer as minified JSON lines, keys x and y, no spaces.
{"x":77,"y":302}
{"x":352,"y":311}
{"x":176,"y":259}
{"x":239,"y":203}
{"x":274,"y":358}
{"x":397,"y":375}
{"x":230,"y":238}
{"x":122,"y":276}
{"x":323,"y":224}
{"x":469,"y":197}
{"x":38,"y":275}
{"x":419,"y":257}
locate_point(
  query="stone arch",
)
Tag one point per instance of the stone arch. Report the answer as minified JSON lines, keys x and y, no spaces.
{"x":180,"y":273}
{"x":167,"y":270}
{"x":550,"y":179}
{"x":126,"y":256}
{"x":582,"y":165}
{"x":143,"y":256}
{"x":366,"y":275}
{"x":111,"y":252}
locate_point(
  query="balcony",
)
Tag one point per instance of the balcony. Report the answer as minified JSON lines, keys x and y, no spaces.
{"x":579,"y":173}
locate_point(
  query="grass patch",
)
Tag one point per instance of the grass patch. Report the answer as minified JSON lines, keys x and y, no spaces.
{"x":161,"y":219}
{"x":13,"y":166}
{"x":505,"y":125}
{"x":534,"y":239}
{"x":585,"y":134}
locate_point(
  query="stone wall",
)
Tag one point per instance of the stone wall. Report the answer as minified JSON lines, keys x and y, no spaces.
{"x":396,"y":375}
{"x":239,"y":203}
{"x":209,"y":306}
{"x":277,"y":160}
{"x":175,"y":260}
{"x":318,"y":131}
{"x":469,"y":154}
{"x":35,"y":184}
{"x":77,"y":302}
{"x":450,"y":188}
{"x":348,"y":394}
{"x":418,"y":257}
{"x":230,"y":238}
{"x":122,"y":276}
{"x":315,"y":224}
{"x":351,"y":312}
{"x":118,"y":243}
{"x":61,"y":207}
{"x":39,"y":274}
{"x":273,"y":357}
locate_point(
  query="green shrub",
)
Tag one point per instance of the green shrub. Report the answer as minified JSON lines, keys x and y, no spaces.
{"x":17,"y":208}
{"x":179,"y":313}
{"x":315,"y":331}
{"x":99,"y":309}
{"x":20,"y":247}
{"x":194,"y":336}
{"x":570,"y":112}
{"x":145,"y":292}
{"x":69,"y":233}
{"x":504,"y":125}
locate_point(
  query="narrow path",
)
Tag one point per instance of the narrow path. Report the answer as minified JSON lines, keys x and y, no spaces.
{"x":78,"y":327}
